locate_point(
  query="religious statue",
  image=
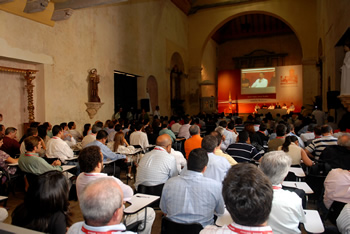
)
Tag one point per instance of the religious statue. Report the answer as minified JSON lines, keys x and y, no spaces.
{"x":345,"y":72}
{"x":94,"y":79}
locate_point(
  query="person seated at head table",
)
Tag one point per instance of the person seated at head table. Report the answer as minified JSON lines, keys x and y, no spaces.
{"x":248,"y":195}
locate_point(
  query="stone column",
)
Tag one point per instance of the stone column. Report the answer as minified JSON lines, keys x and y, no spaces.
{"x":192,"y":103}
{"x":311,"y":84}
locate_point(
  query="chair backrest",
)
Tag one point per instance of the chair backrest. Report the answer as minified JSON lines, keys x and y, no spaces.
{"x":152,"y":190}
{"x":171,"y":227}
{"x":334,"y":211}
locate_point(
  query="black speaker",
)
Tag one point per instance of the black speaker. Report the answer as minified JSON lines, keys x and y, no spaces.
{"x":333,"y":102}
{"x":145,"y":104}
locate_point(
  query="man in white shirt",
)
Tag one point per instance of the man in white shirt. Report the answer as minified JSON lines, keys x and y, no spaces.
{"x":58,"y":148}
{"x":261,"y":82}
{"x":74,"y":132}
{"x":287,"y":211}
{"x":91,"y":165}
{"x":157,"y":166}
{"x":176,"y":126}
{"x":90,"y":137}
{"x":139,"y":138}
{"x":184,"y":130}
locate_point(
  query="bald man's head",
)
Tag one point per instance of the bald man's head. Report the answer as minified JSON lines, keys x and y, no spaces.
{"x":101,"y":202}
{"x":165,"y":142}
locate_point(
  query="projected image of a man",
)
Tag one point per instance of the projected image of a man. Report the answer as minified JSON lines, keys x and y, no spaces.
{"x":261,"y":82}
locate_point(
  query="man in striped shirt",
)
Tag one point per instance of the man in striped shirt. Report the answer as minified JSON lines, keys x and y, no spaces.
{"x":315,"y":148}
{"x":243,"y":151}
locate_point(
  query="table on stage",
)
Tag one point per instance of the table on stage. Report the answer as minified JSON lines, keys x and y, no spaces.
{"x":313,"y":222}
{"x":274,"y":112}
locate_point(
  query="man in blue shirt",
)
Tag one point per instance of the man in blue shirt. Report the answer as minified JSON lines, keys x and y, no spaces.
{"x":108,"y":155}
{"x":191,"y":197}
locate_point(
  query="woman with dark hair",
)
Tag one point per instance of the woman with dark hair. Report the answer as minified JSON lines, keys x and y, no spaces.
{"x":292,"y":149}
{"x":45,"y":206}
{"x":87,"y":127}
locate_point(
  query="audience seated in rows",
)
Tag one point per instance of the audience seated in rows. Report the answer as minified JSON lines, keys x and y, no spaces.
{"x":217,"y":150}
{"x":217,"y":165}
{"x":338,"y":156}
{"x":184,"y":129}
{"x":157,"y":166}
{"x":58,"y":148}
{"x":90,"y":137}
{"x":101,"y":216}
{"x":336,"y":187}
{"x":229,"y":133}
{"x":292,"y":149}
{"x":309,"y":135}
{"x":243,"y":151}
{"x":343,"y":220}
{"x":30,"y":161}
{"x":74,"y":132}
{"x":101,"y":139}
{"x":279,"y":140}
{"x":139,"y":137}
{"x":6,"y":159}
{"x":91,"y":166}
{"x":195,"y":141}
{"x":247,"y":194}
{"x":191,"y":197}
{"x":176,"y":126}
{"x":165,"y":130}
{"x":10,"y":144}
{"x":33,"y":132}
{"x":315,"y":148}
{"x":45,"y":206}
{"x":287,"y":211}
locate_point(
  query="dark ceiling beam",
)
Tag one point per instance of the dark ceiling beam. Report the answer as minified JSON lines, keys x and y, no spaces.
{"x":194,"y":9}
{"x":34,"y":6}
{"x":5,"y":1}
{"x":79,"y":4}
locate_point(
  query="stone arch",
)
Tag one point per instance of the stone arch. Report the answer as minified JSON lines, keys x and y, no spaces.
{"x":219,"y":25}
{"x":152,"y":90}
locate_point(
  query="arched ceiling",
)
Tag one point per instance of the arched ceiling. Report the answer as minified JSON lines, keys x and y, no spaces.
{"x":251,"y":25}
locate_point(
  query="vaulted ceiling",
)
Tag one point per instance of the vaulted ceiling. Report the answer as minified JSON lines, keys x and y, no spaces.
{"x":242,"y":27}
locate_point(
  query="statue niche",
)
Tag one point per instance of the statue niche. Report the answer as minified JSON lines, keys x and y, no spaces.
{"x":94,"y":79}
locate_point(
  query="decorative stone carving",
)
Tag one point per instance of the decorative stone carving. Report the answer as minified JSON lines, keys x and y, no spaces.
{"x":345,"y":100}
{"x":29,"y":75}
{"x":92,"y":108}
